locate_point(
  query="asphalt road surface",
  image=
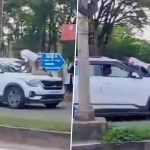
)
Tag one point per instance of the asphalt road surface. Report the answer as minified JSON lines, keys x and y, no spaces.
{"x":61,"y":113}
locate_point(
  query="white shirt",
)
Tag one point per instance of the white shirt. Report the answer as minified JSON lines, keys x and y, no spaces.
{"x":28,"y":55}
{"x":66,"y":75}
{"x":138,"y":62}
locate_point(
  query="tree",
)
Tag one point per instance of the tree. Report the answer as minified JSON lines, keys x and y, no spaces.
{"x":112,"y":13}
{"x":123,"y":43}
{"x":37,"y":23}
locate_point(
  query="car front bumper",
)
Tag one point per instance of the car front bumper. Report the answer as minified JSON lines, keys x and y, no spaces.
{"x":46,"y":99}
{"x":40,"y":95}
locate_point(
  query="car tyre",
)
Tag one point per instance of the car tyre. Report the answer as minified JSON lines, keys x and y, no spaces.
{"x":15,"y":97}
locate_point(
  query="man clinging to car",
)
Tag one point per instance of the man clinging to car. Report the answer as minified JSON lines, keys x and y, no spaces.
{"x":31,"y":60}
{"x":137,"y":64}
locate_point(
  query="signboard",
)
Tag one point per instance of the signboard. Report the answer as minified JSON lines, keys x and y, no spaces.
{"x":52,"y":61}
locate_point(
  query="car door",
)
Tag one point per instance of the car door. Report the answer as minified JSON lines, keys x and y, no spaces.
{"x":119,"y":90}
{"x":95,"y":84}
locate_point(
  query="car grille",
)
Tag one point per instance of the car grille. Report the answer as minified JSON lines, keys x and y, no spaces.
{"x":53,"y":97}
{"x":52,"y":85}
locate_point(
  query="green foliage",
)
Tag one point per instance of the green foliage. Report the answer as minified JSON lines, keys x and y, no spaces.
{"x":37,"y":22}
{"x":123,"y":43}
{"x":123,"y":135}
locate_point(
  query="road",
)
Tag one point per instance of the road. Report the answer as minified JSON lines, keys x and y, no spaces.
{"x":61,"y":113}
{"x":12,"y":146}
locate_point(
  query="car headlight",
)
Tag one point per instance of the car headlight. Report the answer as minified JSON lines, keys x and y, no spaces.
{"x":33,"y":83}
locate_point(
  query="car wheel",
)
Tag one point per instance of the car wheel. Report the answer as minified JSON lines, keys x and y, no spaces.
{"x":15,"y":97}
{"x":53,"y":105}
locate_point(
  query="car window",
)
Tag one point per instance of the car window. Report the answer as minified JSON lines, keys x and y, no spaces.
{"x":94,"y":70}
{"x":114,"y":71}
{"x":106,"y":70}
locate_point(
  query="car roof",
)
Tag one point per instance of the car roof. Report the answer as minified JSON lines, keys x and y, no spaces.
{"x":102,"y":59}
{"x":6,"y":60}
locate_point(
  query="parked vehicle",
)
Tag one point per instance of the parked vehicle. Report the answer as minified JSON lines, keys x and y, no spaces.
{"x":18,"y":89}
{"x":115,"y":88}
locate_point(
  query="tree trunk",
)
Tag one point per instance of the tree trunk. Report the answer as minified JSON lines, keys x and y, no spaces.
{"x":55,"y":46}
{"x":104,"y":37}
{"x":93,"y":46}
{"x":43,"y":39}
{"x":55,"y":41}
{"x":49,"y":37}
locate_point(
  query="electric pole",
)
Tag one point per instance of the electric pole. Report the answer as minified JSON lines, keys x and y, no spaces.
{"x":86,"y":11}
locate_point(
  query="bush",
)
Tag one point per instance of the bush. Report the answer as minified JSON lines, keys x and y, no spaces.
{"x":123,"y":135}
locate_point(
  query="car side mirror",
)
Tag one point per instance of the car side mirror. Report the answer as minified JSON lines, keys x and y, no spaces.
{"x":136,"y":75}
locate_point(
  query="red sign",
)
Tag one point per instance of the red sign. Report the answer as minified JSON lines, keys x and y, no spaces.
{"x":68,"y":32}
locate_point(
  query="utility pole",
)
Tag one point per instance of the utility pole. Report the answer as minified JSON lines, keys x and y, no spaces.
{"x":86,"y":127}
{"x":1,"y":25}
{"x":85,"y":112}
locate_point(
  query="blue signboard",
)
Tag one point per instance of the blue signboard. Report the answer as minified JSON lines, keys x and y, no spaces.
{"x":52,"y":61}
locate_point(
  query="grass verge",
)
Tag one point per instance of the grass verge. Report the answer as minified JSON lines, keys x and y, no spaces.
{"x":35,"y":124}
{"x":126,"y":134}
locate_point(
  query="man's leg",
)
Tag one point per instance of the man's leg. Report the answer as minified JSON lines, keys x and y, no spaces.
{"x":28,"y":67}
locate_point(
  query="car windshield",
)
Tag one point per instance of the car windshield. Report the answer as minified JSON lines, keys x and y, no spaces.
{"x":10,"y":68}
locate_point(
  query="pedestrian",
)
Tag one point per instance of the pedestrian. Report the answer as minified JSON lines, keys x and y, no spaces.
{"x":71,"y":72}
{"x":66,"y":75}
{"x":31,"y":60}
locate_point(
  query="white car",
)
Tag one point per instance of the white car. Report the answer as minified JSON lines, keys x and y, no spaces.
{"x":13,"y":63}
{"x":115,"y":88}
{"x":18,"y":89}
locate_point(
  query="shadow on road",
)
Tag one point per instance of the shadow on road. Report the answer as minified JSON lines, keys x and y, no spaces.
{"x":128,"y":118}
{"x":36,"y":107}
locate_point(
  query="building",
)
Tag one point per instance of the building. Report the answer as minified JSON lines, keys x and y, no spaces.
{"x":68,"y":37}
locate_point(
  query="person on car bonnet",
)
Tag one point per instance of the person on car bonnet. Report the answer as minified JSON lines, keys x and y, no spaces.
{"x":31,"y":60}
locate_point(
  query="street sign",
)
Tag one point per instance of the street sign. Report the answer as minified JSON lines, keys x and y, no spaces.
{"x":52,"y":61}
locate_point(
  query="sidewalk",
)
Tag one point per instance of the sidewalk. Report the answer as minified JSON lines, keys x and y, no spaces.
{"x":13,"y":146}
